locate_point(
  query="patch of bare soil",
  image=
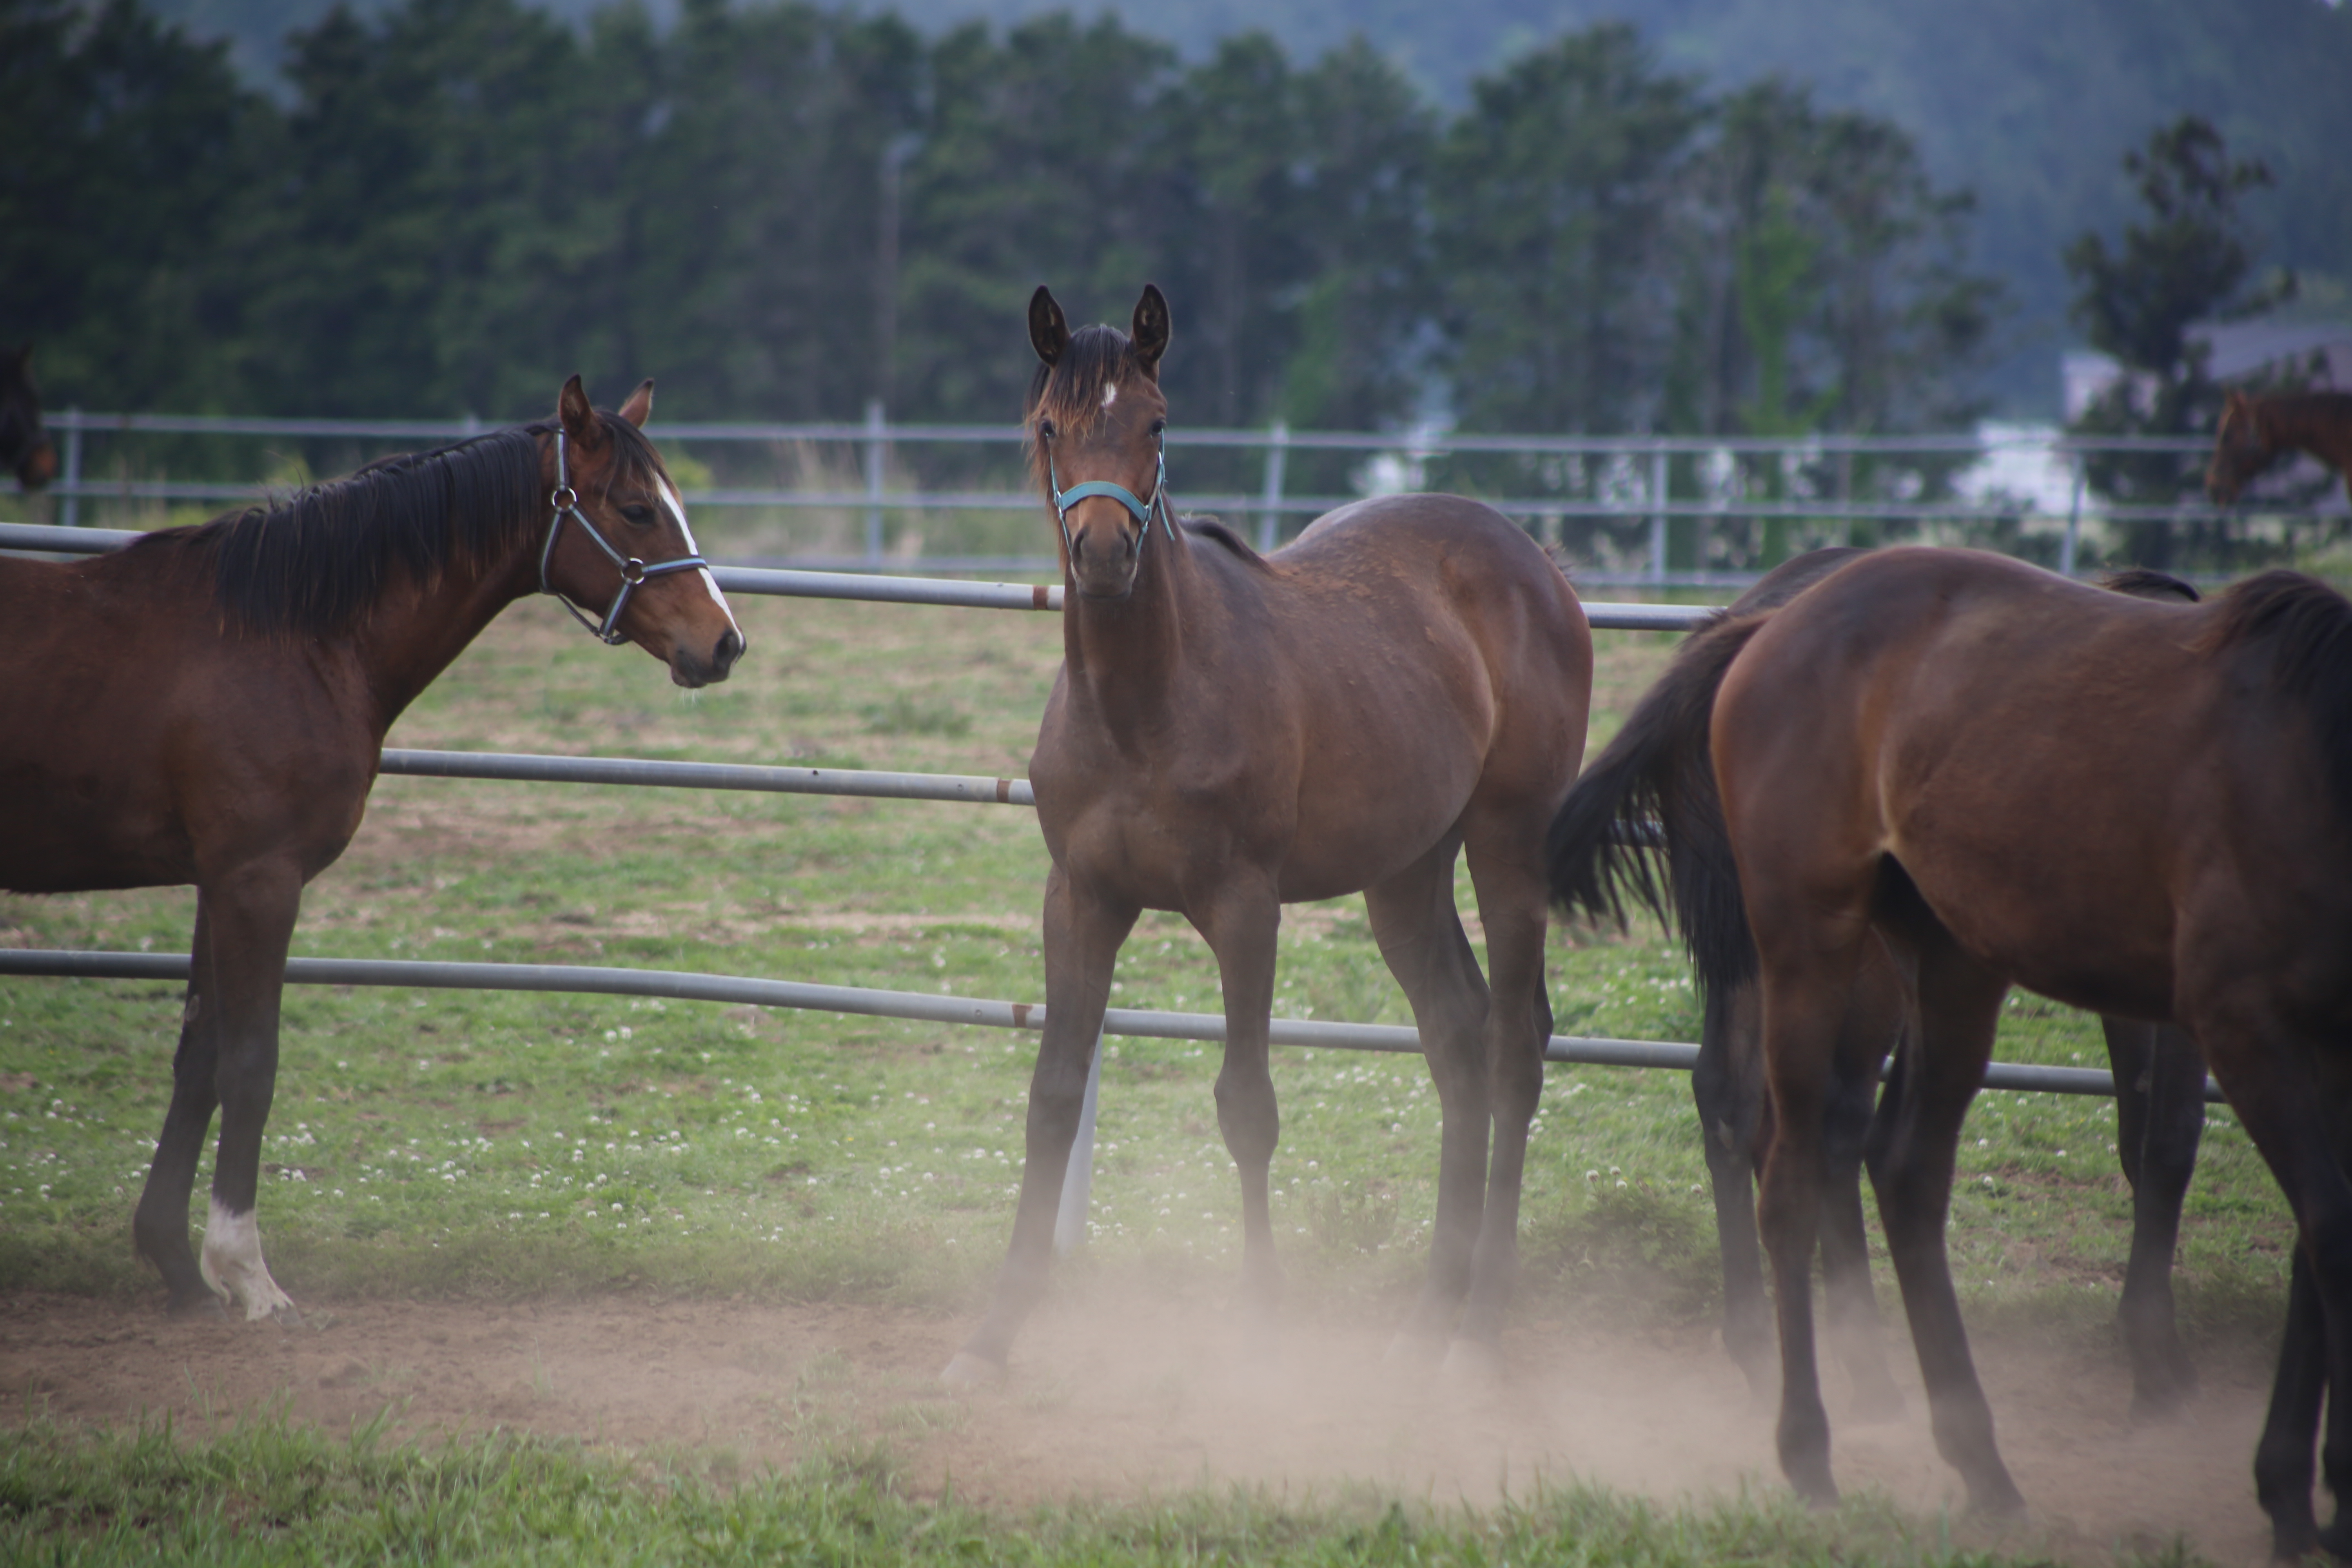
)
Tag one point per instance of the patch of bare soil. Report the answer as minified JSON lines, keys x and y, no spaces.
{"x":1124,"y":1387}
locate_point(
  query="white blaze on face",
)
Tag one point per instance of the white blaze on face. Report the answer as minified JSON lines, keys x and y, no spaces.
{"x":1110,"y":395}
{"x":231,"y":1264}
{"x":671,"y":500}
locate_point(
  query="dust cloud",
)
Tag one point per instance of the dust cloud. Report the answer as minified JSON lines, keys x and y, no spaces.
{"x":1138,"y":1384}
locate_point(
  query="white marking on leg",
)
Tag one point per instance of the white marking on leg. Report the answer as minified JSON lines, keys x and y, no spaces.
{"x":676,"y":504}
{"x":231,"y":1264}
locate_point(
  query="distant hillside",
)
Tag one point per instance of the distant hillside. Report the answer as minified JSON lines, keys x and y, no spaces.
{"x":2031,"y":104}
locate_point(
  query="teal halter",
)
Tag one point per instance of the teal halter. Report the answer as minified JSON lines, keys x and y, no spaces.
{"x":1141,"y":511}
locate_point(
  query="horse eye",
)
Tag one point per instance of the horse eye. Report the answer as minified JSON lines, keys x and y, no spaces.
{"x":1045,"y":428}
{"x":643,"y":516}
{"x":1159,"y":427}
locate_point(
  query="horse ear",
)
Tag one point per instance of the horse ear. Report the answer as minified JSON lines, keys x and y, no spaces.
{"x":640,"y":405}
{"x":1150,"y":330}
{"x":1049,"y":329}
{"x":579,"y":419}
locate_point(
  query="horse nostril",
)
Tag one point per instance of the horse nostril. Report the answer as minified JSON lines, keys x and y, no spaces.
{"x":729,"y":650}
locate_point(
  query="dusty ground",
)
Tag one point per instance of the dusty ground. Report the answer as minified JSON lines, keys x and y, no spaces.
{"x":1124,"y":1388}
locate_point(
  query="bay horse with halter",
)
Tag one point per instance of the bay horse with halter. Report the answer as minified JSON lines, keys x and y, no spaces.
{"x":1230,"y":732}
{"x":208,"y":706}
{"x":1658,"y":771}
{"x":26,"y":450}
{"x":2255,"y":431}
{"x":2139,"y":808}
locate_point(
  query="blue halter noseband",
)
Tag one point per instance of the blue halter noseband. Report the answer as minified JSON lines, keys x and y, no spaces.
{"x":1141,"y":511}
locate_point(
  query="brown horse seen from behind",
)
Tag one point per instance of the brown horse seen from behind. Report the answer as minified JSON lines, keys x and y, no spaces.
{"x":1658,"y":771}
{"x":2256,"y":431}
{"x":1405,"y":683}
{"x":2139,"y":808}
{"x":207,"y":706}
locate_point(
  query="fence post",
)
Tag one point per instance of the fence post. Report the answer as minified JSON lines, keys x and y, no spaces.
{"x":72,"y":488}
{"x":1269,"y":521}
{"x":2074,"y":521}
{"x":1658,"y":518}
{"x":1079,"y":1179}
{"x":874,"y":431}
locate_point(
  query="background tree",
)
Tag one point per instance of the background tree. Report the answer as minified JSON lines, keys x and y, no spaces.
{"x":2191,"y":259}
{"x":123,"y":150}
{"x":1552,"y":201}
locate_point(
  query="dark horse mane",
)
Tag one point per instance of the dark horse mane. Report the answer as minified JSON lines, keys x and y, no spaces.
{"x":2303,"y":628}
{"x":315,"y":562}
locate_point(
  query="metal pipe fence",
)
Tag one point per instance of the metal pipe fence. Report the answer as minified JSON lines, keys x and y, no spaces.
{"x":867,"y":587}
{"x":919,"y":1007}
{"x":1628,"y":479}
{"x":909,"y":1005}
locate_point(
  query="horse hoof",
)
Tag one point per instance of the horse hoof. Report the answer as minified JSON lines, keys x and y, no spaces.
{"x":1813,"y":1485}
{"x":199,"y":1304}
{"x":970,"y":1371}
{"x":1998,"y":1498}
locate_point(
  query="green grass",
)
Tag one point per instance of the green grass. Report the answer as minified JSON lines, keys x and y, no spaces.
{"x":267,"y":1491}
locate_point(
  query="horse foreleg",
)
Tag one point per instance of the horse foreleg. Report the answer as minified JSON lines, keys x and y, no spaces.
{"x":2159,"y":1116}
{"x":159,"y":1227}
{"x":1083,"y":934}
{"x":251,"y":915}
{"x":1240,"y":928}
{"x":1518,"y":1027}
{"x":1422,"y":940}
{"x":1911,"y":1168}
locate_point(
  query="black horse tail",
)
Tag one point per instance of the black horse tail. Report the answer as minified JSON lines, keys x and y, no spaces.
{"x":1651,"y":792}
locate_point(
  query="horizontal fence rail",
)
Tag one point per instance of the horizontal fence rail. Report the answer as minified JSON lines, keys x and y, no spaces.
{"x":919,"y":1007}
{"x":1632,"y":484}
{"x":533,"y":769}
{"x":858,"y":585}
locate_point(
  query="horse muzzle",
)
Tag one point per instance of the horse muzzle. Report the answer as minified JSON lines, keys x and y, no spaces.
{"x":1103,"y":561}
{"x":692,"y":669}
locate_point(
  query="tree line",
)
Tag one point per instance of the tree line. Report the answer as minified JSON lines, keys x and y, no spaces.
{"x":784,"y":212}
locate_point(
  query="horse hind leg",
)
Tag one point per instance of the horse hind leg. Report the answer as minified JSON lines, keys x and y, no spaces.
{"x":1727,"y":1089}
{"x":1422,"y":940}
{"x":1511,"y":907}
{"x":1911,"y":1166}
{"x":159,"y":1225}
{"x":2160,"y":1117}
{"x":1877,"y":1024}
{"x":251,"y":922}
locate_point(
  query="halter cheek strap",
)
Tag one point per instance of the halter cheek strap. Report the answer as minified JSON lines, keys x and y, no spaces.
{"x":1064,"y":500}
{"x":565,"y":500}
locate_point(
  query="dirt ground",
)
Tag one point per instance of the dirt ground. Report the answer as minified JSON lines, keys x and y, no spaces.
{"x":1126,"y":1388}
